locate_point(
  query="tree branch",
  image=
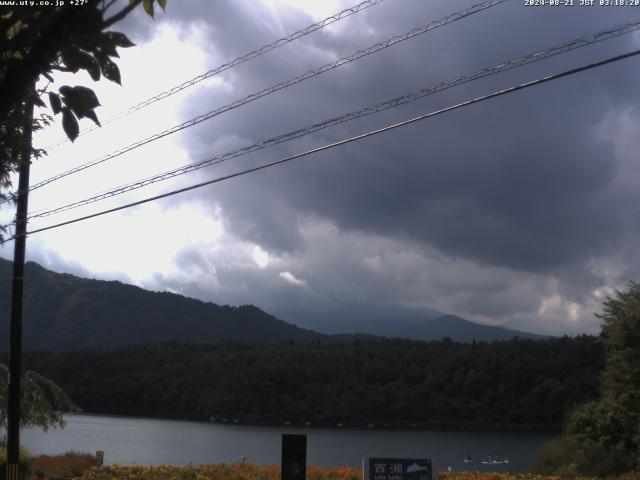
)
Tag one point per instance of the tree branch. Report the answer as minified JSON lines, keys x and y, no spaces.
{"x":42,"y":53}
{"x":121,"y":14}
{"x":61,"y":69}
{"x":107,"y":6}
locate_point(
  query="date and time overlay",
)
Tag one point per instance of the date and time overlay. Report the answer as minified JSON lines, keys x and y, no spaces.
{"x":582,"y":3}
{"x":526,"y":3}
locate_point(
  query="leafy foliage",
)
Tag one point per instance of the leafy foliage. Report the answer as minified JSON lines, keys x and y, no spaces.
{"x":67,"y":465}
{"x":621,"y":336}
{"x":25,"y":456}
{"x":214,"y":472}
{"x":42,"y":404}
{"x":522,"y":476}
{"x":606,"y":431}
{"x":557,"y":457}
{"x":63,"y":311}
{"x":36,"y":41}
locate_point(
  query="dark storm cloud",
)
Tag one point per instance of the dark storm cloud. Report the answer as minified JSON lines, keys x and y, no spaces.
{"x":518,"y":182}
{"x":527,"y":184}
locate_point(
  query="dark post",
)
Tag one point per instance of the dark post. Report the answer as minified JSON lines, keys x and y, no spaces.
{"x":294,"y":457}
{"x":15,"y":342}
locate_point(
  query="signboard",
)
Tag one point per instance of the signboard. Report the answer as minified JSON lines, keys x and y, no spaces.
{"x":398,"y":469}
{"x":294,"y":457}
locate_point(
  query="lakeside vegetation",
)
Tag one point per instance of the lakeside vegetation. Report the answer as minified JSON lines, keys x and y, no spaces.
{"x":524,"y":476}
{"x":215,"y":472}
{"x":84,"y":467}
{"x":272,"y":472}
{"x":524,"y":385}
{"x":602,"y":436}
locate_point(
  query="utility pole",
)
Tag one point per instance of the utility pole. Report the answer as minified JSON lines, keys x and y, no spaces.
{"x":15,"y":342}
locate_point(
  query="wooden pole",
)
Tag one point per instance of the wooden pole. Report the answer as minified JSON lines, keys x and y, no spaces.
{"x":15,"y":342}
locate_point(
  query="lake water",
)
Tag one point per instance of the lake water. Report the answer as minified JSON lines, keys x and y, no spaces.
{"x":128,"y":441}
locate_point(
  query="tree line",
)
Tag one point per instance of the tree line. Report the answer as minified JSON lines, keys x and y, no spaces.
{"x":527,"y":385}
{"x":602,"y":436}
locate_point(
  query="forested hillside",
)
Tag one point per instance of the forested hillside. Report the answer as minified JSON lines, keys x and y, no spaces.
{"x":65,"y":312}
{"x":62,"y":312}
{"x":514,"y":385}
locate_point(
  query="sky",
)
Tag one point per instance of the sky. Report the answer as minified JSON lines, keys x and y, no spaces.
{"x":521,"y":211}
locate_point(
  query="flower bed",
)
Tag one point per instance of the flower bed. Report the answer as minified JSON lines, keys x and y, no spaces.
{"x":519,"y":476}
{"x":83,"y":467}
{"x":214,"y":472}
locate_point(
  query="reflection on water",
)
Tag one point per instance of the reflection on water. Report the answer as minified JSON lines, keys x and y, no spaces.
{"x":130,"y":441}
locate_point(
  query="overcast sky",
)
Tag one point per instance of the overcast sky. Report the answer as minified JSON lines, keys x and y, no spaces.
{"x":522,"y":211}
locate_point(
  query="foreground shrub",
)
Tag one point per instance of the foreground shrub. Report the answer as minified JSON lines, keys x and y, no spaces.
{"x":68,"y":465}
{"x":605,"y":431}
{"x":558,"y":457}
{"x":491,"y":476}
{"x":213,"y":472}
{"x":634,"y":475}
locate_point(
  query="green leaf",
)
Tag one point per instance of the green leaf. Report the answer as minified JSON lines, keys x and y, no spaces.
{"x":65,"y":90}
{"x":76,"y":59}
{"x":163,"y":4}
{"x":38,"y":102}
{"x":119,"y":39}
{"x":70,"y":124}
{"x":109,"y":69}
{"x":42,"y":401}
{"x":92,"y":115}
{"x":85,"y":42}
{"x":148,"y":7}
{"x":84,"y":98}
{"x":56,"y":104}
{"x":82,"y":101}
{"x":13,"y":30}
{"x":106,"y":45}
{"x":70,"y":60}
{"x":93,"y":69}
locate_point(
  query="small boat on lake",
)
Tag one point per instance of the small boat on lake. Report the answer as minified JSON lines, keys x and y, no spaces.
{"x":498,"y":460}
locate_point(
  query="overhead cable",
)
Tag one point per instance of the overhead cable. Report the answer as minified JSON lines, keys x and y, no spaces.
{"x":237,"y":61}
{"x":263,"y":166}
{"x":292,"y":81}
{"x":371,"y":109}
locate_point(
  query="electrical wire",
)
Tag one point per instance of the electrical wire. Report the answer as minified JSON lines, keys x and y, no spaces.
{"x":226,"y":66}
{"x":254,"y":96}
{"x":263,"y":166}
{"x":607,"y":34}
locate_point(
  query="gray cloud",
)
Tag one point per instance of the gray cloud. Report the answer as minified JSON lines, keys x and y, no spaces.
{"x":513,"y":211}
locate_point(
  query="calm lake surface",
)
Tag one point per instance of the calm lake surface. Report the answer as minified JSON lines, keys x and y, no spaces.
{"x":128,"y":441}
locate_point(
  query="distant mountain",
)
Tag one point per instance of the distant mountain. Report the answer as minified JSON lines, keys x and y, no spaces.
{"x":63,"y":312}
{"x":347,"y":317}
{"x":462,"y":330}
{"x":406,"y":324}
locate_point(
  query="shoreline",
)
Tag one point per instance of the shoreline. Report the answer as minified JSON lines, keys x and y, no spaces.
{"x":514,"y":429}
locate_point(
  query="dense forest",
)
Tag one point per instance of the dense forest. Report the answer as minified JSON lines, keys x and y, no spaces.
{"x":513,"y":385}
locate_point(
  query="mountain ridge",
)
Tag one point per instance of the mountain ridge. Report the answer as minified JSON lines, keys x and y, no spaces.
{"x":64,"y":312}
{"x":471,"y":331}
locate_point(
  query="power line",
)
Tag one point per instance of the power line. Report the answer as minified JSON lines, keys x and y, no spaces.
{"x":292,"y":81}
{"x":607,"y":34}
{"x":237,"y":61}
{"x":263,"y":166}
